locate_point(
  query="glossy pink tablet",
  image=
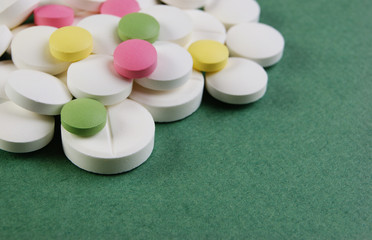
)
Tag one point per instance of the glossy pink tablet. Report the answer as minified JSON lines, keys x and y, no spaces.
{"x":119,"y":8}
{"x":54,"y":15}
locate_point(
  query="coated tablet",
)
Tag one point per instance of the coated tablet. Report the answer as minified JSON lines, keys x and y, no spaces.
{"x":123,"y":144}
{"x":175,"y":24}
{"x":208,"y":55}
{"x":256,"y":41}
{"x":6,"y":68}
{"x":83,"y":117}
{"x":5,"y":38}
{"x":104,"y":32}
{"x":135,"y":58}
{"x":174,"y":67}
{"x":233,"y":12}
{"x":37,"y":91}
{"x":119,"y":8}
{"x":54,"y":15}
{"x":171,"y":105}
{"x":30,"y":50}
{"x":96,"y":78}
{"x":242,"y":81}
{"x":23,"y":131}
{"x":15,"y":12}
{"x":70,"y":44}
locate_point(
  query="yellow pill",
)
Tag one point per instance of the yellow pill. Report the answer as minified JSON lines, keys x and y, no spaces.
{"x":70,"y":44}
{"x":209,"y":55}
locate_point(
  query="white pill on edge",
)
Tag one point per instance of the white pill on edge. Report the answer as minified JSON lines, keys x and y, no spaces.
{"x":23,"y":131}
{"x":174,"y":67}
{"x":242,"y":81}
{"x":256,"y":41}
{"x":125,"y":143}
{"x":6,"y":68}
{"x":95,"y":77}
{"x":30,"y":50}
{"x":36,"y":91}
{"x":171,"y":105}
{"x":186,"y":4}
{"x":5,"y":38}
{"x":15,"y":12}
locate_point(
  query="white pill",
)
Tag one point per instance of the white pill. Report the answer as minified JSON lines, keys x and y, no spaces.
{"x":23,"y":131}
{"x":15,"y":12}
{"x":5,"y":38}
{"x":206,"y":26}
{"x":30,"y":50}
{"x":126,"y":141}
{"x":36,"y":91}
{"x":174,"y":67}
{"x":256,"y":41}
{"x":147,"y":3}
{"x":242,"y":81}
{"x":16,"y":30}
{"x":171,"y":105}
{"x":175,"y":24}
{"x":186,"y":4}
{"x":86,"y":5}
{"x":233,"y":12}
{"x":95,"y":77}
{"x":6,"y":68}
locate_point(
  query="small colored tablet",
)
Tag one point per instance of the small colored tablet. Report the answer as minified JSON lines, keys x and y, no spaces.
{"x":22,"y":131}
{"x":138,"y":26}
{"x":15,"y":12}
{"x":119,"y":8}
{"x":135,"y":58}
{"x":256,"y":41}
{"x":6,"y":68}
{"x":71,"y":44}
{"x":37,"y":91}
{"x":104,"y":32}
{"x":5,"y":38}
{"x":175,"y":24}
{"x":174,"y":67}
{"x":54,"y":15}
{"x":83,"y":117}
{"x":96,"y":78}
{"x":126,"y":141}
{"x":209,"y":55}
{"x":242,"y":81}
{"x":171,"y":105}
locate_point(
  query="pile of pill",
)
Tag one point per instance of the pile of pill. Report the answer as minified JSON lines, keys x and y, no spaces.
{"x":110,"y":69}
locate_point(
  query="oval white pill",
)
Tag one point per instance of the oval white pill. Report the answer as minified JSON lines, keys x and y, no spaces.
{"x":125,"y":143}
{"x":6,"y":68}
{"x":15,"y":12}
{"x":233,"y":12}
{"x":256,"y":41}
{"x":23,"y":131}
{"x":5,"y":38}
{"x":95,"y":77}
{"x":242,"y":81}
{"x":175,"y":24}
{"x":30,"y":50}
{"x":171,"y":105}
{"x":174,"y":67}
{"x":37,"y":91}
{"x":206,"y":26}
{"x":104,"y":32}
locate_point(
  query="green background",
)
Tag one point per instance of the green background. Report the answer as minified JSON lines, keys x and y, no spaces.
{"x":295,"y":165}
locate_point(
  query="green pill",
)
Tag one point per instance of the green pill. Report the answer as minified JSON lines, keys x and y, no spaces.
{"x":84,"y":117}
{"x":138,"y":26}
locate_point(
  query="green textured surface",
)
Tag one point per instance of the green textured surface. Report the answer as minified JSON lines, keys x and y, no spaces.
{"x":295,"y":165}
{"x":138,"y":26}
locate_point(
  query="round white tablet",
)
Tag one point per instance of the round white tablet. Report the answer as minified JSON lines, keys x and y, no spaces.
{"x":147,"y":3}
{"x":86,"y":5}
{"x":37,"y":91}
{"x":256,"y":41}
{"x":174,"y":67}
{"x":186,"y":4}
{"x":15,"y":12}
{"x":23,"y":131}
{"x":104,"y":32}
{"x":30,"y":50}
{"x":242,"y":81}
{"x":206,"y":26}
{"x":234,"y":11}
{"x":5,"y":38}
{"x":16,"y":30}
{"x":171,"y":105}
{"x":6,"y":68}
{"x":95,"y":77}
{"x":175,"y":24}
{"x":124,"y":143}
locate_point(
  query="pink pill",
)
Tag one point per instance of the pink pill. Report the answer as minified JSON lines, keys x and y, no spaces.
{"x":119,"y":8}
{"x":54,"y":15}
{"x":135,"y":58}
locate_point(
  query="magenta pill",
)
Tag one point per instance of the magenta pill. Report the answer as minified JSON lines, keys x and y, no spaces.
{"x":119,"y":8}
{"x":54,"y":15}
{"x":135,"y":58}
